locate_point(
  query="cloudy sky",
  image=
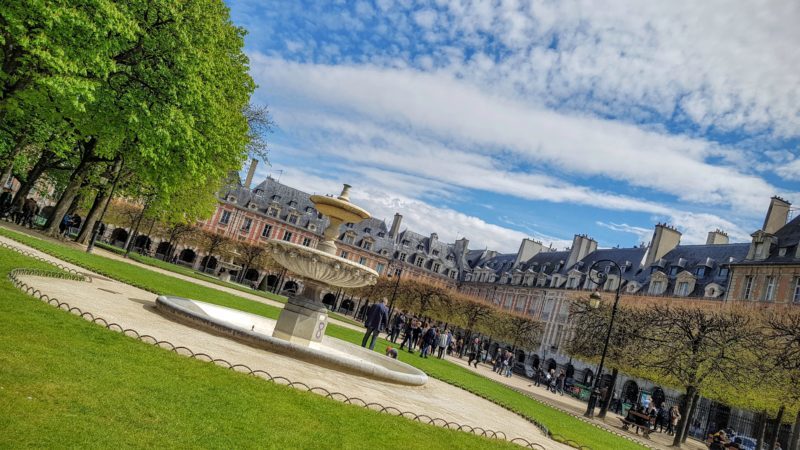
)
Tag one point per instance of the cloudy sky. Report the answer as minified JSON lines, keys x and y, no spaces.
{"x":498,"y":120}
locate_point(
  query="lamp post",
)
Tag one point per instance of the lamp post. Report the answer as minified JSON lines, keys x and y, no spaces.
{"x":398,"y":273}
{"x":599,"y":279}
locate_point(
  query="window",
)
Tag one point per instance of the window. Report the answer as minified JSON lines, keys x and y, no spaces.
{"x":381,"y":234}
{"x":748,"y":287}
{"x":266,"y":231}
{"x":723,"y":272}
{"x":435,"y":267}
{"x":247,"y":224}
{"x":435,"y":253}
{"x":420,"y":247}
{"x":367,"y":230}
{"x":683,"y":289}
{"x":307,"y":242}
{"x":759,"y":250}
{"x":572,"y":282}
{"x":769,"y":291}
{"x":344,"y":254}
{"x":700,"y":272}
{"x":362,"y":261}
{"x":226,"y":217}
{"x":796,"y":294}
{"x":402,"y":257}
{"x":349,"y":239}
{"x":418,"y":261}
{"x":293,"y":218}
{"x":406,"y":242}
{"x":287,"y":236}
{"x":509,"y":300}
{"x":674,"y":270}
{"x":366,"y":245}
{"x":379,"y":268}
{"x":273,"y":212}
{"x":349,"y":225}
{"x":656,"y":287}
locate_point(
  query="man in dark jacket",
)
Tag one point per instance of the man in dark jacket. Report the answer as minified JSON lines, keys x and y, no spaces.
{"x":377,"y":318}
{"x":399,"y":324}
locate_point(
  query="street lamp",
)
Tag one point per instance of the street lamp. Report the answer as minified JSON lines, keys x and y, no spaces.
{"x":398,"y":273}
{"x":600,"y":278}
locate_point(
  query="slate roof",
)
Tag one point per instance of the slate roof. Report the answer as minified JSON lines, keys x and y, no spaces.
{"x":788,"y":238}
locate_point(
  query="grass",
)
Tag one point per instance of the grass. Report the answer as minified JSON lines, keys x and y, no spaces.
{"x":175,"y":268}
{"x":562,"y":425}
{"x":67,"y":383}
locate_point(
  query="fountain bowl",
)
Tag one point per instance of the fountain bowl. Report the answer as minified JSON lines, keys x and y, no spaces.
{"x":321,"y":266}
{"x":256,"y":331}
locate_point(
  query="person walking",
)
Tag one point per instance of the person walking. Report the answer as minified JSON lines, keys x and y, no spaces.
{"x":674,"y":418}
{"x":428,"y":339}
{"x":398,"y":324}
{"x":508,"y":362}
{"x":377,"y":318}
{"x":444,"y":341}
{"x":474,"y":352}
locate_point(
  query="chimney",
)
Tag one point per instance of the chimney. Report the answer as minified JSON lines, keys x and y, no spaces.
{"x":777,"y":214}
{"x":395,"y":226}
{"x":582,"y":245}
{"x":665,"y":238}
{"x":717,"y":237}
{"x":250,"y":172}
{"x":527,"y":249}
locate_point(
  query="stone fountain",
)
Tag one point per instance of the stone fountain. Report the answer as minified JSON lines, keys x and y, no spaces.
{"x":299,"y":331}
{"x":304,"y":318}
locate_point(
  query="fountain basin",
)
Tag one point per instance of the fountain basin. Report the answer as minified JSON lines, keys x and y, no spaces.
{"x":321,"y":266}
{"x":257,"y":331}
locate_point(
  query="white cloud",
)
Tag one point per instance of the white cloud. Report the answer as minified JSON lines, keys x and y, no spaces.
{"x":461,"y":114}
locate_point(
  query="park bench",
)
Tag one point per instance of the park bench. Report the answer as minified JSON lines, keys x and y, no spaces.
{"x":640,"y":421}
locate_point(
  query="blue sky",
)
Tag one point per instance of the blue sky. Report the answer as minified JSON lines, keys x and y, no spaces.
{"x":501,"y":120}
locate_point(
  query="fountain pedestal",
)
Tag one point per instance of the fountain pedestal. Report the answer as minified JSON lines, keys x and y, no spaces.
{"x":303,"y":319}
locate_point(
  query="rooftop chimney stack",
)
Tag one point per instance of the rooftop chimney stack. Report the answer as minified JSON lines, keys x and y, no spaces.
{"x":665,"y":238}
{"x":527,"y":250}
{"x":398,"y":218}
{"x":717,"y":237}
{"x":250,"y":173}
{"x":582,"y":245}
{"x":777,"y":215}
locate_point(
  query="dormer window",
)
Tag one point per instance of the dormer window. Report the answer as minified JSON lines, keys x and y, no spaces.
{"x":450,"y":257}
{"x":276,"y":198}
{"x":723,"y":272}
{"x":418,"y":261}
{"x":402,"y":257}
{"x":366,"y":245}
{"x":406,"y":242}
{"x":674,"y":270}
{"x":292,"y":204}
{"x":309,"y":210}
{"x":700,"y":272}
{"x":435,"y":267}
{"x":292,"y":218}
{"x":349,"y":225}
{"x":381,"y":234}
{"x":273,"y":212}
{"x":349,"y":239}
{"x":232,"y":199}
{"x":367,"y":230}
{"x":420,"y":247}
{"x":435,"y":253}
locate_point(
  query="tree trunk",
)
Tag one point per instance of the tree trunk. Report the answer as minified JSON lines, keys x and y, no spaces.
{"x":685,"y":410}
{"x":762,"y":427}
{"x":691,"y":416}
{"x":42,"y":164}
{"x":69,"y":193}
{"x":609,"y":393}
{"x":794,"y":442}
{"x":100,"y":199}
{"x":774,"y":438}
{"x":7,"y":172}
{"x":132,"y":236}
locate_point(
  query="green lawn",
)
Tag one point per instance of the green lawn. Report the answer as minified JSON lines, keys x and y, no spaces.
{"x":562,"y":425}
{"x":205,"y":277}
{"x":67,"y":383}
